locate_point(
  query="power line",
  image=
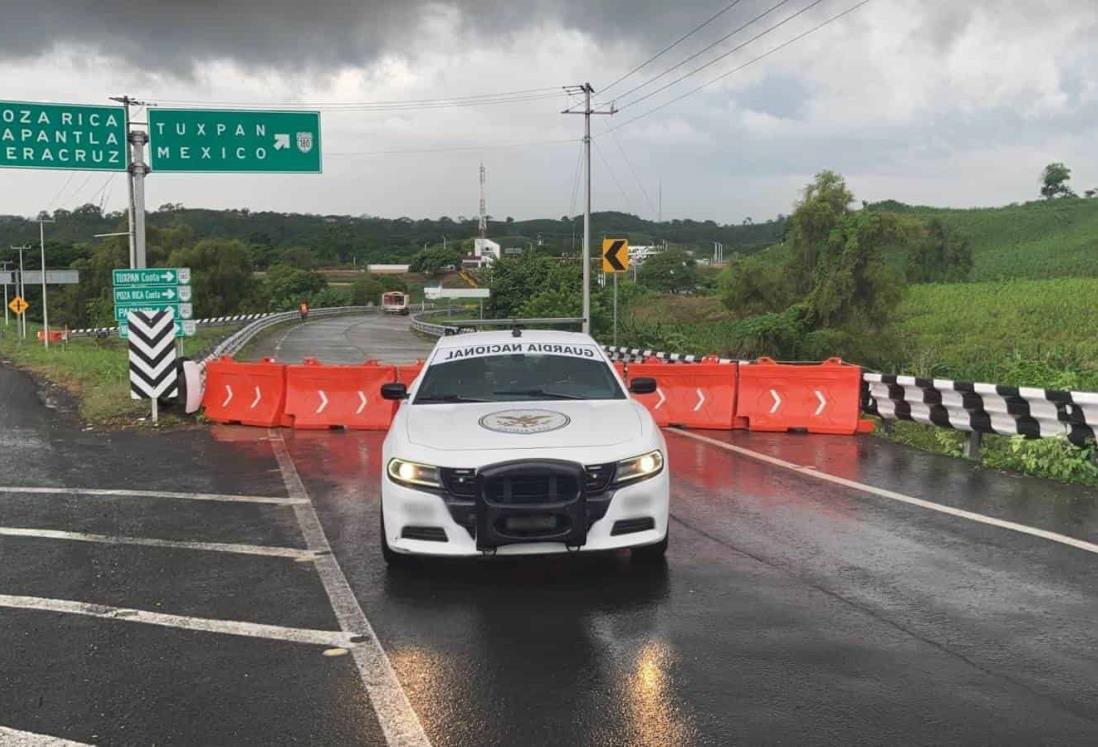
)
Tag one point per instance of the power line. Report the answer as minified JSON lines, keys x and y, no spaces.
{"x":720,"y":57}
{"x":636,"y":176}
{"x":764,"y":55}
{"x":705,"y":49}
{"x":614,"y":176}
{"x":675,"y":43}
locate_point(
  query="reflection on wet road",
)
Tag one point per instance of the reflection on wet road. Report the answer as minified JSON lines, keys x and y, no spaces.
{"x":789,"y":610}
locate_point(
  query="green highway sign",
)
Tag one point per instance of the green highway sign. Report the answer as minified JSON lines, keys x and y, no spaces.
{"x":62,"y":136}
{"x":185,"y":328}
{"x":181,"y":310}
{"x":234,"y":141}
{"x":145,"y":295}
{"x":152,"y":276}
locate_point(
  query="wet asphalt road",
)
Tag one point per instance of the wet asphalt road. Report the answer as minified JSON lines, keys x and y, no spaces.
{"x":790,"y":610}
{"x":344,"y":339}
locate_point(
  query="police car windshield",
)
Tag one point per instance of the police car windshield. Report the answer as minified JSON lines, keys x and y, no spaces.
{"x":518,"y":372}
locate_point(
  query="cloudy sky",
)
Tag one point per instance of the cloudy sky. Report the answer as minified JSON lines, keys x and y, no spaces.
{"x":933,"y":101}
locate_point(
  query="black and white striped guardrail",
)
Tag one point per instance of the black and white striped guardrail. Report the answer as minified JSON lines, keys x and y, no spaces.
{"x":213,"y":321}
{"x":983,"y":408}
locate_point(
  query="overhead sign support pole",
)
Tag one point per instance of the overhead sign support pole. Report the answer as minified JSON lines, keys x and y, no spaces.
{"x":138,"y":170}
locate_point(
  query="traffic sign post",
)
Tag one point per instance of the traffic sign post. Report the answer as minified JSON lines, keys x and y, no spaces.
{"x":234,"y":141}
{"x":62,"y":136}
{"x":152,"y":290}
{"x":615,"y":259}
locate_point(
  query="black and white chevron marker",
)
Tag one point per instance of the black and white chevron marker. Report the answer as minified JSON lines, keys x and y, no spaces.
{"x":152,"y":354}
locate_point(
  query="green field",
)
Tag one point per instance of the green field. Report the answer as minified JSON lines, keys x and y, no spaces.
{"x":1035,"y":240}
{"x":1021,"y":332}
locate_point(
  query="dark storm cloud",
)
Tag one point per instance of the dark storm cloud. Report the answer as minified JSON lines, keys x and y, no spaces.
{"x":175,"y":35}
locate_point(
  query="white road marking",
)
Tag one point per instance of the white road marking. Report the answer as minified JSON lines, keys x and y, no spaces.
{"x":882,"y":492}
{"x":823,"y":402}
{"x":701,"y":400}
{"x":258,"y":396}
{"x":362,"y":403}
{"x":777,"y":402}
{"x":398,"y":719}
{"x":228,"y":396}
{"x":326,"y":638}
{"x":323,"y":401}
{"x":16,"y":738}
{"x":106,"y":539}
{"x":42,"y":490}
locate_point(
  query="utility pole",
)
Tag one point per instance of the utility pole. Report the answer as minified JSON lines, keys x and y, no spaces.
{"x":42,"y":249}
{"x":136,"y":183}
{"x":4,"y":268}
{"x":20,"y":291}
{"x":586,"y":89}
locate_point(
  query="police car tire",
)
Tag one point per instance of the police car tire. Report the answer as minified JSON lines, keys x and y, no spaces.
{"x":651,"y":553}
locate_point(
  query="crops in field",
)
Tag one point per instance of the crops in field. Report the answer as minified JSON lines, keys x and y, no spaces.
{"x":1022,"y":332}
{"x":1035,"y":240}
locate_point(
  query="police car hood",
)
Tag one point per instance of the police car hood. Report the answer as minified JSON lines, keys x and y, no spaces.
{"x":523,"y":425}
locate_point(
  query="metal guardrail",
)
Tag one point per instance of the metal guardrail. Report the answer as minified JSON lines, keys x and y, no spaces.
{"x":430,"y":328}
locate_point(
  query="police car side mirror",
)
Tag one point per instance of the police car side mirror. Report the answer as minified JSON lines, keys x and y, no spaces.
{"x":394,"y":391}
{"x":642,"y":385}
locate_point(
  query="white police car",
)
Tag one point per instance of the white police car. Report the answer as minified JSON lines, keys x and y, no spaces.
{"x":521,"y":443}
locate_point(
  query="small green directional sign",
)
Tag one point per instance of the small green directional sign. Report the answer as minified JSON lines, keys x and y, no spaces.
{"x":62,"y":136}
{"x":183,"y":328}
{"x":181,"y":310}
{"x":234,"y":141}
{"x":152,"y":295}
{"x":152,"y":276}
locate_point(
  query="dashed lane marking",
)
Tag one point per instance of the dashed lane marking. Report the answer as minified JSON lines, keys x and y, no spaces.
{"x":884,"y":493}
{"x":398,"y":720}
{"x":16,"y":738}
{"x":45,"y":490}
{"x":326,"y":638}
{"x":274,"y":552}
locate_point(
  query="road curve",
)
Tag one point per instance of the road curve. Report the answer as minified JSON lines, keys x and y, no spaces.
{"x":344,"y":339}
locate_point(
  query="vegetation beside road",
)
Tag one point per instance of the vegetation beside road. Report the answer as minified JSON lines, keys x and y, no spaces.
{"x":95,"y":371}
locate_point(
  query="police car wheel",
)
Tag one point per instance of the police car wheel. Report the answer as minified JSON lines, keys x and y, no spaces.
{"x":651,"y":553}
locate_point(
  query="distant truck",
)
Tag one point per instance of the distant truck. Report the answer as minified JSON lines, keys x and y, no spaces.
{"x":394,"y":302}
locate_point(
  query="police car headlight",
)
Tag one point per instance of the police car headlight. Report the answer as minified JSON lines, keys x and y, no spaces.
{"x":639,"y":467}
{"x":413,"y":473}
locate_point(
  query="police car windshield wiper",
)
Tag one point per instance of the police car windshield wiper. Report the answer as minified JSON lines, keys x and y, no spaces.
{"x":447,"y":398}
{"x":538,"y":393}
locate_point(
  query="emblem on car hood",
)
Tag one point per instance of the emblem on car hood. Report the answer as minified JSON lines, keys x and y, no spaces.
{"x":524,"y":421}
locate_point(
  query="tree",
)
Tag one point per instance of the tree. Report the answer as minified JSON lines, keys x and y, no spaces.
{"x":754,"y":286}
{"x":222,"y":279}
{"x":939,"y":257}
{"x":670,"y":271}
{"x":432,"y":260}
{"x":285,"y":287}
{"x":825,"y":204}
{"x":1054,"y":181}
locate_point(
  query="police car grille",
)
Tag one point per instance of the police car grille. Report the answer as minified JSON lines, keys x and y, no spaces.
{"x":531,"y":488}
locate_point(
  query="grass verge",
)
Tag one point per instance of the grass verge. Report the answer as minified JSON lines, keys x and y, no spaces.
{"x":94,"y":371}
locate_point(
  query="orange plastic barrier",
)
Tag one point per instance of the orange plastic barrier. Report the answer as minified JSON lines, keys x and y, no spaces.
{"x":695,"y":395}
{"x":321,"y":396}
{"x":245,"y":393}
{"x":818,"y":398}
